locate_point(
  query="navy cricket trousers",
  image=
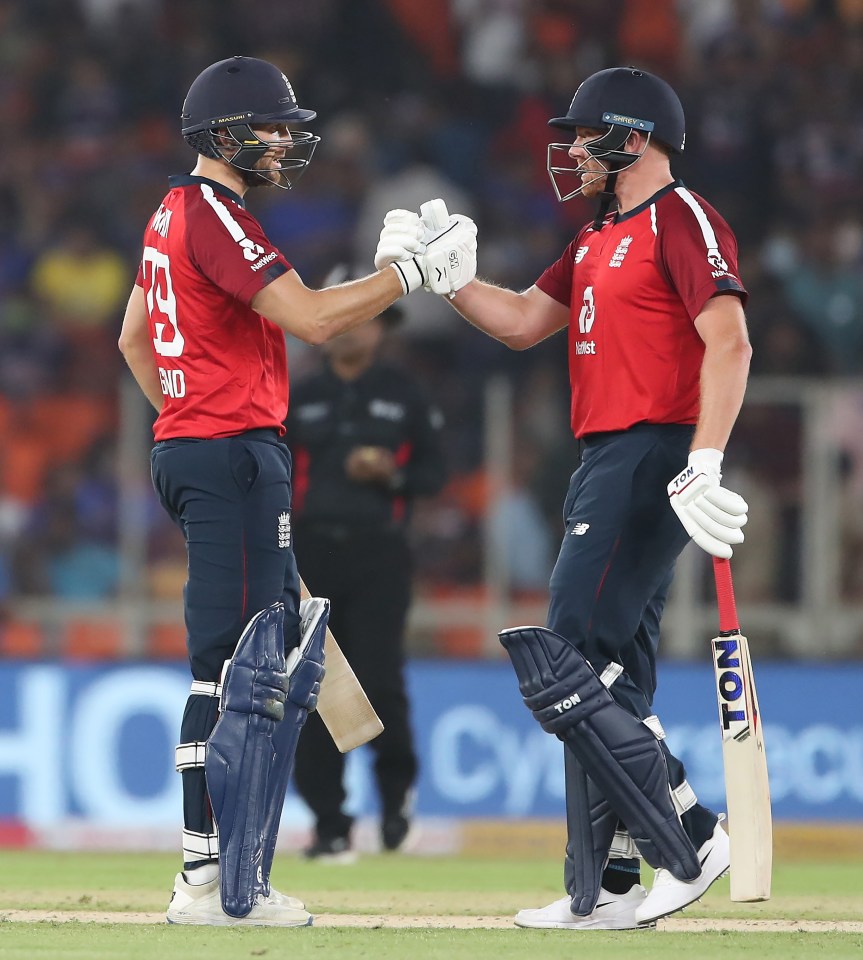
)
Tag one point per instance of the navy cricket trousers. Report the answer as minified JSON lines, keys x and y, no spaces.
{"x":616,"y":562}
{"x":231,"y":498}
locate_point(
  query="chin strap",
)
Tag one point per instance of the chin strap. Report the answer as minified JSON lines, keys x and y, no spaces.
{"x":609,"y":149}
{"x":605,"y":199}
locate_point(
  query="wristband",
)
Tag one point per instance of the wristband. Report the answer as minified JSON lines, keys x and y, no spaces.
{"x":409,"y":274}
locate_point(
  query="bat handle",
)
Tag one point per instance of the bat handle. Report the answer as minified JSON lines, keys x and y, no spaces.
{"x":728,"y":622}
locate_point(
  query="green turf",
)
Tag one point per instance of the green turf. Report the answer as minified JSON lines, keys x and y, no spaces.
{"x":397,"y":885}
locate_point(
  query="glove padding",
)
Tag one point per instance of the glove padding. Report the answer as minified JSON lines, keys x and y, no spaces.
{"x":435,"y":251}
{"x":711,"y":514}
{"x":401,"y":240}
{"x":402,"y":237}
{"x":449,"y":261}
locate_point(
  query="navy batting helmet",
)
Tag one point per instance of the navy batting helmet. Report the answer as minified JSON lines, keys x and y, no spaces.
{"x":631,"y":98}
{"x":231,"y":97}
{"x":618,"y":101}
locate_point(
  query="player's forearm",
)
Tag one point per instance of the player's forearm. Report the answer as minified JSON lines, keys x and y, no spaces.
{"x":723,"y":385}
{"x":136,"y":345}
{"x":494,"y":310}
{"x":147,"y":378}
{"x":139,"y":358}
{"x":518,"y":320}
{"x":317,"y":316}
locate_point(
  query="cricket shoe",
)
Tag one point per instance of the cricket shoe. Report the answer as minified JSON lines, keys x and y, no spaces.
{"x":336,"y":851}
{"x":202,"y":905}
{"x":668,"y":894}
{"x":613,"y":911}
{"x":399,"y":834}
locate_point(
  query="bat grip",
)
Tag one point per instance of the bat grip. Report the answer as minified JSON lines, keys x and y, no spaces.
{"x":728,"y":622}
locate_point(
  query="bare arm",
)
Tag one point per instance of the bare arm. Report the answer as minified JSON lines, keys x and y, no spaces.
{"x":722,"y":327}
{"x":519,"y":320}
{"x":136,"y":345}
{"x":316,"y":316}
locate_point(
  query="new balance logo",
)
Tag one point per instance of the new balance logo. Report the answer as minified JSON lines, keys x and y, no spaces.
{"x":579,"y":529}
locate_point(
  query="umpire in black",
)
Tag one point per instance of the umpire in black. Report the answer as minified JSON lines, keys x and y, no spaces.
{"x":364,"y":442}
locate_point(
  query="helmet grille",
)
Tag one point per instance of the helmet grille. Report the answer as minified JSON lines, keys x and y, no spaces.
{"x":202,"y":142}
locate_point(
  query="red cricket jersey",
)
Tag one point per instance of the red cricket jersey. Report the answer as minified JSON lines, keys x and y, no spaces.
{"x":634,"y":289}
{"x":223,"y":367}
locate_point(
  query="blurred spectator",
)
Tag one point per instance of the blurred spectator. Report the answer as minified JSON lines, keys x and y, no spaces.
{"x":82,"y":282}
{"x":56,"y":554}
{"x":520,"y":539}
{"x":825,"y":288}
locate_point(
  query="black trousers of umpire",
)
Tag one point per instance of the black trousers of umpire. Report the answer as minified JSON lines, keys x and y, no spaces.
{"x":230,"y":498}
{"x":616,"y":562}
{"x":367,"y":577}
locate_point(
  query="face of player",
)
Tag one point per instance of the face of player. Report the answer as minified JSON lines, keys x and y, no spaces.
{"x":592,"y":171}
{"x":283,"y":161}
{"x":279,"y":137}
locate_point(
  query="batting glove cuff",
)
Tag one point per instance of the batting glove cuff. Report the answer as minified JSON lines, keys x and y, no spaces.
{"x":409,"y":273}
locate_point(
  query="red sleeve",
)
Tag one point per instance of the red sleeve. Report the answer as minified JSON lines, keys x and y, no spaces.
{"x":229,"y":247}
{"x":139,"y":279}
{"x":556,"y":281}
{"x":697,"y":251}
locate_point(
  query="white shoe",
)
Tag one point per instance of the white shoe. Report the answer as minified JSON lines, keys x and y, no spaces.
{"x":613,"y":911}
{"x":203,"y":905}
{"x":668,"y":894}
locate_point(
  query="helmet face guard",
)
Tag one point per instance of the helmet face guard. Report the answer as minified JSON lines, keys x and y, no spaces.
{"x":232,"y":98}
{"x":240,"y":146}
{"x":607,"y":148}
{"x":616,"y":101}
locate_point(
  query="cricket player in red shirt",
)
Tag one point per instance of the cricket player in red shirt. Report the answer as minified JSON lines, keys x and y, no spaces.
{"x":658,"y":357}
{"x":204,"y":336}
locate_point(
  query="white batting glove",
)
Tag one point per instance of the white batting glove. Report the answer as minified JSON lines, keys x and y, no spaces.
{"x":401,"y":240}
{"x":449,"y":261}
{"x":711,"y":514}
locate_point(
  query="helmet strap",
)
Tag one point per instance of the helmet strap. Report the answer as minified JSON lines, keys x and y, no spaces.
{"x":610,"y":149}
{"x":605,"y":199}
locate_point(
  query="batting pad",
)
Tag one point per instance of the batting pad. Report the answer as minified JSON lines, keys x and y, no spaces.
{"x":590,"y":827}
{"x":241,"y":756}
{"x":617,"y":751}
{"x":305,"y":670}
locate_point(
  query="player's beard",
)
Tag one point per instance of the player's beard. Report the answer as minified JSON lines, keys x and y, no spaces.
{"x":594,"y":184}
{"x":266,"y":177}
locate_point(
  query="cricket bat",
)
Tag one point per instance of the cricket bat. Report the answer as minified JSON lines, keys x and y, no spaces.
{"x":747,"y":789}
{"x":342,"y":703}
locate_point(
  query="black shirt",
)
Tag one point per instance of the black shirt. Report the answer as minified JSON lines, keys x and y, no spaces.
{"x":328,"y":417}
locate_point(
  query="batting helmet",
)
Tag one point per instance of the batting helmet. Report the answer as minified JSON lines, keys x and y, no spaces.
{"x":617,"y":101}
{"x":625,"y":96}
{"x":231,"y":97}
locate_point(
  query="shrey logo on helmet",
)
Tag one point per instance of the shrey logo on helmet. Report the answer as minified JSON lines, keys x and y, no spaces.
{"x":616,"y":101}
{"x":232,"y":97}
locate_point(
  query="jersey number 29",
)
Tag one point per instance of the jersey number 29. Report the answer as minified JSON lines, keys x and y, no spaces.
{"x":162,"y":304}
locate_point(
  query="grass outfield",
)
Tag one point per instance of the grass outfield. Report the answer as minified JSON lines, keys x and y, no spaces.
{"x":423,"y":894}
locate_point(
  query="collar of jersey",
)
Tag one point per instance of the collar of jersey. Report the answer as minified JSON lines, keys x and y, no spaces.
{"x":634,"y":212}
{"x":187,"y":180}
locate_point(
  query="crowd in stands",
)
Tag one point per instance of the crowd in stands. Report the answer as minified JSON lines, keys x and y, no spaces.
{"x":415,"y":100}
